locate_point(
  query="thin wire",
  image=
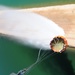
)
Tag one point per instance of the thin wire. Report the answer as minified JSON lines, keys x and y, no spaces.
{"x":71,"y":46}
{"x":41,"y":56}
{"x":22,"y":72}
{"x":48,"y":56}
{"x":39,"y":59}
{"x":27,"y":70}
{"x":44,"y":55}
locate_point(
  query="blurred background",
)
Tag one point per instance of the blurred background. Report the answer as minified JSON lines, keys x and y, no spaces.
{"x":34,"y":3}
{"x":15,"y":56}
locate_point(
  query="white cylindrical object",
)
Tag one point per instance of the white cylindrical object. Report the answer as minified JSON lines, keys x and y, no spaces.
{"x":29,"y":27}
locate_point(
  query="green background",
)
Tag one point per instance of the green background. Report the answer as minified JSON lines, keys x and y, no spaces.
{"x":15,"y":56}
{"x":34,"y":3}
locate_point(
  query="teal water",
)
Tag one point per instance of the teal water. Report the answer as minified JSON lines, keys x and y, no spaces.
{"x":34,"y":3}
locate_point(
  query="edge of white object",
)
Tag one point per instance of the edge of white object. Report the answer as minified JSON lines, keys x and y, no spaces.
{"x":29,"y":27}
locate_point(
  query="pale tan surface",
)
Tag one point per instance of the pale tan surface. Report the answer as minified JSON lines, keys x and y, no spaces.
{"x":64,"y":16}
